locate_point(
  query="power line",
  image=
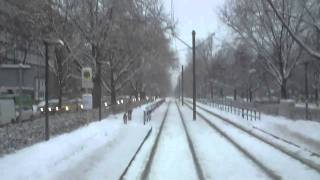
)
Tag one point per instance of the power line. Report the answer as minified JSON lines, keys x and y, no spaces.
{"x":182,"y":41}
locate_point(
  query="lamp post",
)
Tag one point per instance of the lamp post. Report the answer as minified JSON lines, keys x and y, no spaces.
{"x":48,"y":42}
{"x":20,"y":90}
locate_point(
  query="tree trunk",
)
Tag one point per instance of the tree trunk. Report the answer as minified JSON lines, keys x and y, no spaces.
{"x":96,"y":84}
{"x":112,"y":87}
{"x":267,"y":85}
{"x":316,"y":95}
{"x":284,"y":94}
{"x":137,"y":90}
{"x":60,"y":95}
{"x":211,"y":91}
{"x":95,"y":92}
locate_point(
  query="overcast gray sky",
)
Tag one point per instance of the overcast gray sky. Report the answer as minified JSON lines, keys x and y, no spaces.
{"x":198,"y":15}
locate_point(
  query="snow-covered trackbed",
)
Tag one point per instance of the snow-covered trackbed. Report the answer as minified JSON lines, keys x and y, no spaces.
{"x":134,"y":156}
{"x":275,"y":161}
{"x":259,"y":164}
{"x":172,"y":155}
{"x":191,"y":146}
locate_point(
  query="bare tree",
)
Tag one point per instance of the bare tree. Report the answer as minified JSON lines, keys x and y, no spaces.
{"x":308,"y":7}
{"x":261,"y":29}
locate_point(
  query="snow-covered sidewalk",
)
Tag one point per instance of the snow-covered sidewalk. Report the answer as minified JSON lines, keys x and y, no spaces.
{"x":100,"y":150}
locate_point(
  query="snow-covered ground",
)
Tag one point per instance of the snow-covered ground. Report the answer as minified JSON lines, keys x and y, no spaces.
{"x":219,"y":159}
{"x":279,"y":163}
{"x":100,"y":150}
{"x":137,"y":167}
{"x":173,"y":160}
{"x":304,"y":133}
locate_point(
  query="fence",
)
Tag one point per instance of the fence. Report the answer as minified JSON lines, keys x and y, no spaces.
{"x":150,"y":109}
{"x":234,"y":108}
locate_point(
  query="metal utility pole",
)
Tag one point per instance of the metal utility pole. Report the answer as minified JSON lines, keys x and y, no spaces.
{"x":47,"y":135}
{"x":306,"y":89}
{"x":182,"y":84}
{"x":47,"y":42}
{"x":194,"y":72}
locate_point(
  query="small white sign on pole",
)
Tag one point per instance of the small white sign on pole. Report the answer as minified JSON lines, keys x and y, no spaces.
{"x":87,"y":101}
{"x":86,"y":75}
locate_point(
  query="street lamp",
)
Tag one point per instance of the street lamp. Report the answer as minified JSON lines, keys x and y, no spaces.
{"x":48,"y":42}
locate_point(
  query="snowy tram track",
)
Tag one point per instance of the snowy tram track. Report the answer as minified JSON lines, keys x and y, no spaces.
{"x":279,"y":159}
{"x":259,"y":164}
{"x":191,"y":146}
{"x":134,"y":156}
{"x":147,"y":168}
{"x":302,"y":160}
{"x":172,"y":155}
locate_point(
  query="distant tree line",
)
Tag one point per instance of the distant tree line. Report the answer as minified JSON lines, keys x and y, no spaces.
{"x":266,"y":57}
{"x":125,"y":38}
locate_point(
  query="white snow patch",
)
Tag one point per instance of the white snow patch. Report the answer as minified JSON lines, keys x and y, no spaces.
{"x":101,"y":141}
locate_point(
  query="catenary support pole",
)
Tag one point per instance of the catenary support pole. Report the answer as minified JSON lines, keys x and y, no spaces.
{"x":194,"y":73}
{"x":182,"y":84}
